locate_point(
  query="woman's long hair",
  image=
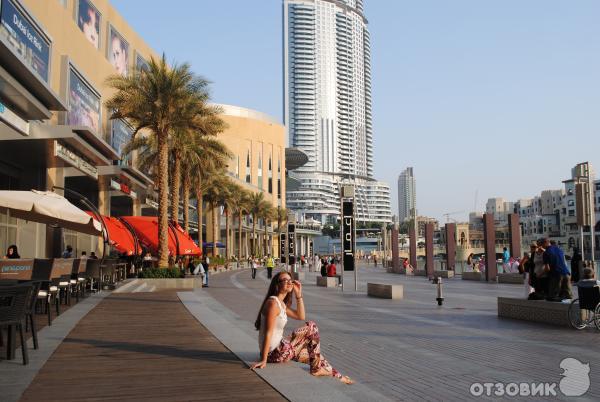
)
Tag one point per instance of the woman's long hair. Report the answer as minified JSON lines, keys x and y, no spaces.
{"x":273,"y":291}
{"x":15,"y":253}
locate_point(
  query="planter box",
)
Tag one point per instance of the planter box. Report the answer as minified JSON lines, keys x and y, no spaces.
{"x":328,"y":282}
{"x":473,"y":276}
{"x":534,"y":310}
{"x":515,"y":278}
{"x":385,"y":291}
{"x":444,"y":274}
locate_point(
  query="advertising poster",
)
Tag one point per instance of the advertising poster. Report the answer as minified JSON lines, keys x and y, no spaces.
{"x":140,"y":63}
{"x":84,"y":104}
{"x":24,"y":38}
{"x":118,"y":52}
{"x":88,"y":20}
{"x":121,"y":135}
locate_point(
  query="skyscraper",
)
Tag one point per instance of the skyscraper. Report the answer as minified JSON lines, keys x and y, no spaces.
{"x":327,"y":107}
{"x":407,"y":194}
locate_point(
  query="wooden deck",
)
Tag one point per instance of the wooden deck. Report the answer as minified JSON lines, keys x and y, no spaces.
{"x":144,"y":347}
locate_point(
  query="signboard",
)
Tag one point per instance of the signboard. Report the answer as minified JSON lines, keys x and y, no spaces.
{"x":10,"y":118}
{"x":118,"y":52}
{"x":310,"y":248}
{"x":582,"y":201}
{"x":282,"y":247}
{"x":84,"y":104}
{"x":151,"y":203}
{"x":121,"y":135}
{"x":88,"y":20}
{"x":25,"y":39}
{"x":348,"y":246}
{"x":64,"y":153}
{"x":292,"y":243}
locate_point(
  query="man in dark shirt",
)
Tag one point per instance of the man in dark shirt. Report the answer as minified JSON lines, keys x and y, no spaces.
{"x":559,"y":286}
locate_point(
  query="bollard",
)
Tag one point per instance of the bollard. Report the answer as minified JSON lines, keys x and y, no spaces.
{"x":440,"y":297}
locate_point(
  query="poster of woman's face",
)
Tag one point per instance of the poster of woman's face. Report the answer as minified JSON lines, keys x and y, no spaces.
{"x":84,"y":105}
{"x":89,"y":21}
{"x":118,"y":52}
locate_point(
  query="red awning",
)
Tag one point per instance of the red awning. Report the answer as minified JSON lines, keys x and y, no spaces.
{"x":120,"y":237}
{"x":146,"y":229}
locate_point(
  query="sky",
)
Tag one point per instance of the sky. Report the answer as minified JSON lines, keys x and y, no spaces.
{"x":483,"y":98}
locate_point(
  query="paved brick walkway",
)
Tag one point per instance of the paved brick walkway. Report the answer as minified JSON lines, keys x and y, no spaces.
{"x":144,"y":347}
{"x":411,"y":349}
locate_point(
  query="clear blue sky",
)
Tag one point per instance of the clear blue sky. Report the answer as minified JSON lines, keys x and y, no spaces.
{"x":498,"y":97}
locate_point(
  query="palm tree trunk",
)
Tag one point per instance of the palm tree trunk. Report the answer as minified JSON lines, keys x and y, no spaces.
{"x":200,"y":209}
{"x":254,"y":235}
{"x":240,"y":237}
{"x":186,"y":206}
{"x":176,"y":181}
{"x":266,"y":238}
{"x":214,"y":228}
{"x":163,"y":200}
{"x":227,"y":250}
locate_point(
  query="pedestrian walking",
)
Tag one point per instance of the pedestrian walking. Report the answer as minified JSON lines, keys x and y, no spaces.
{"x":254,"y":265}
{"x":303,"y":345}
{"x":270,"y":264}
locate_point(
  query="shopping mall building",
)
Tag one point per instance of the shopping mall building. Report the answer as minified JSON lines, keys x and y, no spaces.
{"x":55,"y":131}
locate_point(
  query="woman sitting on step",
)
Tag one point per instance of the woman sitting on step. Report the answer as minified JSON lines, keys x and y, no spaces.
{"x":303,"y":345}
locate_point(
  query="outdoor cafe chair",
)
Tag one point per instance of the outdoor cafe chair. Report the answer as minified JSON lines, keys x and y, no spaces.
{"x":93,"y":274}
{"x":585,"y":310}
{"x":48,"y":293}
{"x":13,"y":309}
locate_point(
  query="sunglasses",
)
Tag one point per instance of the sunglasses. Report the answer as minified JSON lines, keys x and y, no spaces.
{"x":286,"y":281}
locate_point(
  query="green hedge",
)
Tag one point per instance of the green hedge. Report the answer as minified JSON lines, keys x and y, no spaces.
{"x":161,"y":273}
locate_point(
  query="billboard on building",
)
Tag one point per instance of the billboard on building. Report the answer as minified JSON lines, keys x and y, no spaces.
{"x":121,"y":135}
{"x":88,"y":20}
{"x":141,"y":63}
{"x":26,"y":40}
{"x":118,"y":52}
{"x":84,"y":104}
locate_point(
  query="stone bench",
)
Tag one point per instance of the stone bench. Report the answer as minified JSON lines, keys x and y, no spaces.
{"x":444,"y":274}
{"x":534,"y":310}
{"x":299,"y":276}
{"x":473,"y":276}
{"x":420,"y":272}
{"x":327,"y":281}
{"x":513,"y":277}
{"x":385,"y":291}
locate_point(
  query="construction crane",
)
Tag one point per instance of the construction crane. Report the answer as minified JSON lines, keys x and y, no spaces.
{"x":447,"y":215}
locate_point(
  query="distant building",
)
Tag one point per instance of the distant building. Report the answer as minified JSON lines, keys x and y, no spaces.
{"x":407,"y":194}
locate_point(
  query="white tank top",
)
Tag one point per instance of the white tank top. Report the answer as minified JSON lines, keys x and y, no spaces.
{"x":280,"y":321}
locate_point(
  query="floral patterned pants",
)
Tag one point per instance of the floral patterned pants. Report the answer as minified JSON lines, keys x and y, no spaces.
{"x":304,"y":346}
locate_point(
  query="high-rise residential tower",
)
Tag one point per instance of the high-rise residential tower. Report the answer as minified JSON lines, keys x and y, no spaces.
{"x":407,"y":194}
{"x":327,"y":107}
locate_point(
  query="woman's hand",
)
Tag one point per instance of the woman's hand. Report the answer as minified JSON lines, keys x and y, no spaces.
{"x":297,"y":288}
{"x":259,"y":365}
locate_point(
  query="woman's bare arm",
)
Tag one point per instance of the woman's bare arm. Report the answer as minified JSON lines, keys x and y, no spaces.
{"x":298,"y":313}
{"x":271,"y":311}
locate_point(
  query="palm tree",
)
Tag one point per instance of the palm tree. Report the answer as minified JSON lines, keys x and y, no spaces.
{"x":268,"y":214}
{"x":256,"y":207}
{"x":161,"y":100}
{"x":200,"y":158}
{"x":216,"y":191}
{"x":243,"y":207}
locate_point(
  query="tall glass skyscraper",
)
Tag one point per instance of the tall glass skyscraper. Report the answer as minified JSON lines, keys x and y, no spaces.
{"x":327,"y":107}
{"x":407,"y":194}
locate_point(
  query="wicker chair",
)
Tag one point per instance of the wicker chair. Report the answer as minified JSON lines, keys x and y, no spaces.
{"x":14,"y":301}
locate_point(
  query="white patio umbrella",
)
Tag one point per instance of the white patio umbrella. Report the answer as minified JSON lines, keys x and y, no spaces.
{"x":49,"y":208}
